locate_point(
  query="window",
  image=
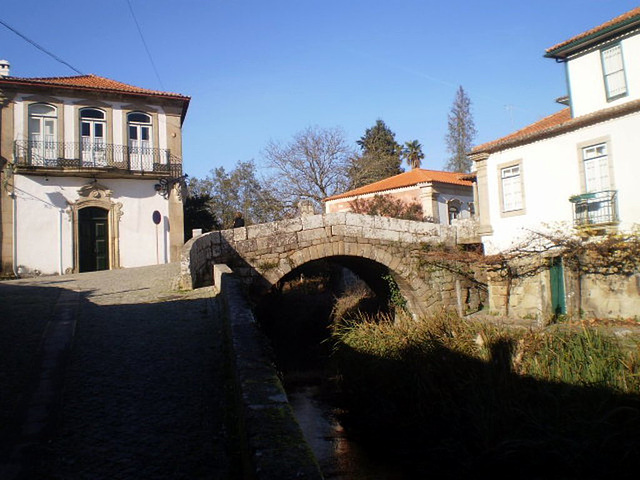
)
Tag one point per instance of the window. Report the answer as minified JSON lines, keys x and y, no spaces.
{"x":615,"y":82}
{"x":43,"y":128}
{"x":454,"y":209}
{"x":140,"y":144}
{"x":92,"y":134}
{"x":596,"y":168}
{"x":511,"y":188}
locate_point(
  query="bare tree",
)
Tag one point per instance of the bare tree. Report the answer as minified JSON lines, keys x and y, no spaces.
{"x":312,"y":166}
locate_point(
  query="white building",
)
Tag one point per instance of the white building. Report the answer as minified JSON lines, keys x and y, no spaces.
{"x":579,"y":166}
{"x":443,"y":196}
{"x":91,"y":172}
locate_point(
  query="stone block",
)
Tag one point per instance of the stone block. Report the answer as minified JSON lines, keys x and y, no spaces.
{"x":382,"y":223}
{"x":245,"y":246}
{"x":289,"y":226}
{"x":382,"y":234}
{"x":347,"y":230}
{"x":311,"y":222}
{"x":239,"y":234}
{"x":273,"y":242}
{"x":406,"y":237}
{"x":310,"y":235}
{"x":337,"y":218}
{"x":261,"y":230}
{"x":296,"y":259}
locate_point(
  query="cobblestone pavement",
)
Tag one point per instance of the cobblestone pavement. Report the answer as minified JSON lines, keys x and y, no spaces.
{"x":144,"y":385}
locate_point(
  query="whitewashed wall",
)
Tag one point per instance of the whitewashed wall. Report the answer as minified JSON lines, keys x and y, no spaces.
{"x":44,"y":236}
{"x":551,"y":174}
{"x":586,"y":79}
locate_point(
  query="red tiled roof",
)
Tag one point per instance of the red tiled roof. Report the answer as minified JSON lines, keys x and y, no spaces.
{"x":92,"y":82}
{"x":556,"y":124}
{"x":550,"y":121}
{"x":406,"y":179}
{"x":611,"y":24}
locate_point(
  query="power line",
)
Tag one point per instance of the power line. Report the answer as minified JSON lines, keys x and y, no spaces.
{"x":145,"y":44}
{"x":41,"y":48}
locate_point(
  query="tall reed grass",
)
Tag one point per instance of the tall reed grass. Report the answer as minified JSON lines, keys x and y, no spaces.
{"x":470,"y":396}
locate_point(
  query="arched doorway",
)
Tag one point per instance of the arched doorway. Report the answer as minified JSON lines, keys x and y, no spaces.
{"x":93,"y":239}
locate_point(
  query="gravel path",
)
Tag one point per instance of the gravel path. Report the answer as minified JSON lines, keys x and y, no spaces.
{"x":144,"y":385}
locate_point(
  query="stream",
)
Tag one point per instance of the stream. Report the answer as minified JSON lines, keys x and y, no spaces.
{"x":340,"y":455}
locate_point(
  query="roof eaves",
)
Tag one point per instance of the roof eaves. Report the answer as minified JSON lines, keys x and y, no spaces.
{"x":567,"y":126}
{"x":44,"y":84}
{"x":563,"y":50}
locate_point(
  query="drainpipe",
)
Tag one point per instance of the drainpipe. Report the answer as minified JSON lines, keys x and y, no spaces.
{"x":15,"y":234}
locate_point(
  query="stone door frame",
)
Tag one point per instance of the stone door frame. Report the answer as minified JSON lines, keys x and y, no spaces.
{"x":96,"y":195}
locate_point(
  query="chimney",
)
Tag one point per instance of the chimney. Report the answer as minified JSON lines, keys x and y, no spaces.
{"x":4,"y":68}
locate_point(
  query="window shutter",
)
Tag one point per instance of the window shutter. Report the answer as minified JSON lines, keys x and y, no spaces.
{"x":613,"y":67}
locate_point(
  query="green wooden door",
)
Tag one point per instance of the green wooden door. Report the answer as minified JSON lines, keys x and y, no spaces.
{"x":556,"y":272}
{"x":93,"y":236}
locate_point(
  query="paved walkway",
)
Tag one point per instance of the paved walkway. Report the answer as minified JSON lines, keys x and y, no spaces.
{"x":144,"y":381}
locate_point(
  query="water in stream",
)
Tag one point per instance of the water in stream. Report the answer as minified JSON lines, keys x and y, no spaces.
{"x":340,"y":455}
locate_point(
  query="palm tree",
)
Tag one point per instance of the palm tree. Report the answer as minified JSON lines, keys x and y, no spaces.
{"x":412,"y":153}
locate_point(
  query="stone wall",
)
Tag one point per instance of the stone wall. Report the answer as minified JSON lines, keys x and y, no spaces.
{"x":586,"y":295}
{"x":274,"y":446}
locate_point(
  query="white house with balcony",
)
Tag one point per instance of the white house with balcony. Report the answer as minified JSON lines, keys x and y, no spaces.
{"x":579,"y":166}
{"x":576,"y":171}
{"x":91,"y":174}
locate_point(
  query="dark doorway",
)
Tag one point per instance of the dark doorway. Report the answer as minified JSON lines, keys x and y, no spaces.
{"x":93,"y":226}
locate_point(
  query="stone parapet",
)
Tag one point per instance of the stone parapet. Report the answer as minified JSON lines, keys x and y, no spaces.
{"x":275,"y":447}
{"x":266,"y":252}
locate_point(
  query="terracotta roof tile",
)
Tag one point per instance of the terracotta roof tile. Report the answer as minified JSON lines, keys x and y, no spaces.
{"x":546,"y":123}
{"x":611,"y":23}
{"x":556,"y":124}
{"x":406,"y":179}
{"x":92,"y":82}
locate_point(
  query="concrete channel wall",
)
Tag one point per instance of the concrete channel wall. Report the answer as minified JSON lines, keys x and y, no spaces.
{"x":275,"y":446}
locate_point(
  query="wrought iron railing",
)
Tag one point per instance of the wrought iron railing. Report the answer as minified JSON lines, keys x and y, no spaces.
{"x":595,"y":208}
{"x":95,"y":155}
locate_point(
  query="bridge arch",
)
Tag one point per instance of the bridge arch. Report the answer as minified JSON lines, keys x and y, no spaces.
{"x":263,"y":254}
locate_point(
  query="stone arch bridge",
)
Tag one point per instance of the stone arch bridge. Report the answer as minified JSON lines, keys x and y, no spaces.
{"x":368,"y":245}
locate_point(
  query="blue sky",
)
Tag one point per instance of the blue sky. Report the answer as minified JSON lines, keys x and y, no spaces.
{"x":264,"y":70}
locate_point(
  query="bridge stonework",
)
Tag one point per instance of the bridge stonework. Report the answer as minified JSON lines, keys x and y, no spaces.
{"x":263,"y":254}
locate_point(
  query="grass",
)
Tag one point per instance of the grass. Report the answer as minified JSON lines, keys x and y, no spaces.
{"x":464,"y":397}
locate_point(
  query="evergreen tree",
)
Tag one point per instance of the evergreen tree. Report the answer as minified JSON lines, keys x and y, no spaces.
{"x":461,"y":133}
{"x":380,"y":157}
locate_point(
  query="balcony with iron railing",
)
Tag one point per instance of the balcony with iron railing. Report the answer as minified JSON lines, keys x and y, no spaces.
{"x":595,"y":208}
{"x":49,"y":157}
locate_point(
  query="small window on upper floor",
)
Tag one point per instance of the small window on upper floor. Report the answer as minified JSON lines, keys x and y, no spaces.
{"x":511,"y":188}
{"x":615,"y":82}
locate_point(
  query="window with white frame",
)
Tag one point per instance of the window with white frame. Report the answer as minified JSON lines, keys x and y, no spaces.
{"x":43,"y":127}
{"x":92,"y":134}
{"x":615,"y":82}
{"x":511,"y":188}
{"x":596,"y":168}
{"x":140,"y":141}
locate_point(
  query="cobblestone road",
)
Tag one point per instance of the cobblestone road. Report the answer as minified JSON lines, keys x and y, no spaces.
{"x":144,"y":394}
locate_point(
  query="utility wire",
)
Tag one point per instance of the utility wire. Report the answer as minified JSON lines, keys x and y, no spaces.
{"x":41,"y":48}
{"x":145,"y":44}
